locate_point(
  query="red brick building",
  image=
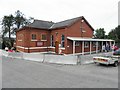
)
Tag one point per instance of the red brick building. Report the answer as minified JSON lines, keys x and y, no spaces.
{"x":67,"y":37}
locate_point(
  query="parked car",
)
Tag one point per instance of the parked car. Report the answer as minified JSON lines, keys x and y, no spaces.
{"x":117,"y":52}
{"x":115,"y":60}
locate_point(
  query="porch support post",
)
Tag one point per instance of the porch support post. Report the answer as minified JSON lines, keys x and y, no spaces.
{"x":106,"y":43}
{"x":90,"y":46}
{"x":114,"y":42}
{"x":110,"y":45}
{"x":73,"y":47}
{"x":96,"y":46}
{"x":102,"y":46}
{"x":83,"y":47}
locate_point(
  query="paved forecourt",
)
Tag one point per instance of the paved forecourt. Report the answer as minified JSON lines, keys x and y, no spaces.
{"x":18,"y":73}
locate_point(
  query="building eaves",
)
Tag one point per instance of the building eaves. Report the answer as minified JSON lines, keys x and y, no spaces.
{"x":87,"y":39}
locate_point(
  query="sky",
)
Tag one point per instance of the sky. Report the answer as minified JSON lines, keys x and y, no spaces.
{"x":99,"y":13}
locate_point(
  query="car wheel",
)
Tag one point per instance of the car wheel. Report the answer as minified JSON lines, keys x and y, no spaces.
{"x":115,"y":64}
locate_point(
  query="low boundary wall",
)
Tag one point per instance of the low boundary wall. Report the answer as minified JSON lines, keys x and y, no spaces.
{"x":33,"y":57}
{"x":48,"y":58}
{"x":61,"y":59}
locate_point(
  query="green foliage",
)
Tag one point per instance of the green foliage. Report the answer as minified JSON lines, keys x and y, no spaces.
{"x":20,"y":20}
{"x":7,"y":24}
{"x":11,"y":23}
{"x":7,"y":42}
{"x":115,"y":34}
{"x":100,"y":33}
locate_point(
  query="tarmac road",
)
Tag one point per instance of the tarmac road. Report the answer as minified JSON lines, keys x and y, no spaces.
{"x":18,"y":73}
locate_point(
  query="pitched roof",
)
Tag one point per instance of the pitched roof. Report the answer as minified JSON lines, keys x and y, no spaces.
{"x":48,"y":25}
{"x":41,"y":24}
{"x":64,"y":23}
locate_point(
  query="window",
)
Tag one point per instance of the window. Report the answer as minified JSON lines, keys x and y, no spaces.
{"x":94,"y":44}
{"x":44,"y":38}
{"x":52,"y":40}
{"x":33,"y":36}
{"x":77,"y":43}
{"x":86,"y":44}
{"x":62,"y":41}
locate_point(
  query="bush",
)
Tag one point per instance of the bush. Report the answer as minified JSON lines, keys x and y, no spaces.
{"x":7,"y":43}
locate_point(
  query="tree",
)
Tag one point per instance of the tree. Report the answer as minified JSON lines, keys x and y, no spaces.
{"x":115,"y":34}
{"x":20,"y":20}
{"x":12,"y":23}
{"x":111,"y":34}
{"x":100,"y":33}
{"x":7,"y":24}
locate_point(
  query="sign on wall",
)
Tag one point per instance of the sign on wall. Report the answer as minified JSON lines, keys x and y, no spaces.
{"x":39,"y":43}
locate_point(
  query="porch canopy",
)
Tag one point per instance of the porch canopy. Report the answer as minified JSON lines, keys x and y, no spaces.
{"x":74,"y":39}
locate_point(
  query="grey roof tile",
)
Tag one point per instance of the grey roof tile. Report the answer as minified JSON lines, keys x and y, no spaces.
{"x":51,"y":25}
{"x":64,"y":23}
{"x":41,"y":24}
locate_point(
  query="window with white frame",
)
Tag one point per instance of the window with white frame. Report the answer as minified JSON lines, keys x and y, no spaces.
{"x":52,"y":40}
{"x":43,"y":37}
{"x":33,"y":36}
{"x":86,"y":44}
{"x":62,"y":41}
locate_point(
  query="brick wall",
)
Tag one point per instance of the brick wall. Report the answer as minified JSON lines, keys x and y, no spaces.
{"x":73,"y":31}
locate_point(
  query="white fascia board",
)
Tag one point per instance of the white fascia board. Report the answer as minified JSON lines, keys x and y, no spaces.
{"x":87,"y":39}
